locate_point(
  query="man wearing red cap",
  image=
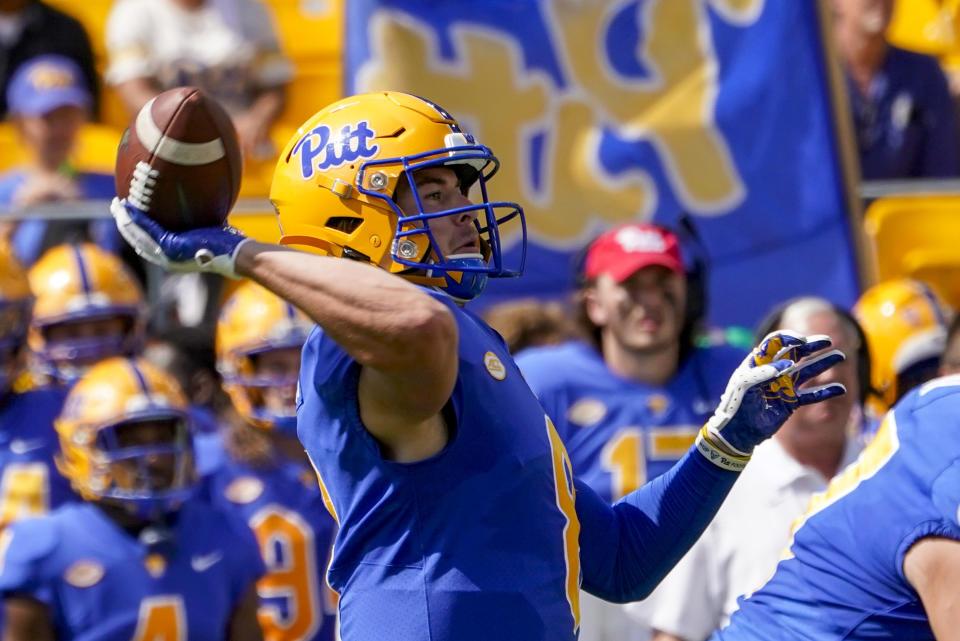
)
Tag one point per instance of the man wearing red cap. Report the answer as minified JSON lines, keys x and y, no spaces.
{"x":629,"y":399}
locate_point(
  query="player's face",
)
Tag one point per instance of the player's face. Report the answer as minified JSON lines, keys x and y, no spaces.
{"x":439,"y":190}
{"x":86,"y":330}
{"x":52,"y":135}
{"x":644,"y":312}
{"x":282,"y":365}
{"x":830,"y":418}
{"x":148,"y":472}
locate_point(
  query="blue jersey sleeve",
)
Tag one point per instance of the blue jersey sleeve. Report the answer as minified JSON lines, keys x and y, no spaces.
{"x":945,"y":492}
{"x":24,"y":548}
{"x":626,"y":549}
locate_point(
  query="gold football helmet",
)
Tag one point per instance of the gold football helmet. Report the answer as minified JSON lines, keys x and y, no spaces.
{"x":125,"y":437}
{"x":334,"y":185}
{"x":14,"y":313}
{"x":906,"y":323}
{"x":77,"y":284}
{"x":254,"y":321}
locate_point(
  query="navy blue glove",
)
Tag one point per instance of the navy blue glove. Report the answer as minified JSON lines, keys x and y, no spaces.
{"x":763,"y":392}
{"x":208,"y":249}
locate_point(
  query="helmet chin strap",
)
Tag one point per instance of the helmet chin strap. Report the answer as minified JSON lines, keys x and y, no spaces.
{"x":470,"y":284}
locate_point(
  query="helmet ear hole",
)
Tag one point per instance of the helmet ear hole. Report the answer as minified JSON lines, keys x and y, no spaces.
{"x":346,"y":224}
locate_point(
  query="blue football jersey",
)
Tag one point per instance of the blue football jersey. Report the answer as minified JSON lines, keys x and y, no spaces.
{"x":30,"y":484}
{"x":478,"y":542}
{"x":284,"y":507}
{"x":100,"y":583}
{"x":842,"y":577}
{"x":621,"y":433}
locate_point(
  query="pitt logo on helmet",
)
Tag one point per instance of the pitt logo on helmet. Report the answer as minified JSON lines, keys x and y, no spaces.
{"x":347,"y":147}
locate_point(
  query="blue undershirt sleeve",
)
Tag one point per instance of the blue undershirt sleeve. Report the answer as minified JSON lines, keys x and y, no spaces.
{"x":626,"y":549}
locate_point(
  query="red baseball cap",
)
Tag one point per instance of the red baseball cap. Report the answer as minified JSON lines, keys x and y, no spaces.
{"x":621,"y":251}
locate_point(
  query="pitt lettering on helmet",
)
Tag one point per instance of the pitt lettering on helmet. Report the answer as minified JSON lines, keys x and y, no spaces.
{"x":347,"y":147}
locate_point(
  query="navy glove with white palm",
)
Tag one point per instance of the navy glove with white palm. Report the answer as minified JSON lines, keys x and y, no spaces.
{"x":208,"y":249}
{"x":762,"y":393}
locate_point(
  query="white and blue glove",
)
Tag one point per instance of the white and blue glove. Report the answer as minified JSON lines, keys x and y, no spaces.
{"x":208,"y":249}
{"x":763,"y":392}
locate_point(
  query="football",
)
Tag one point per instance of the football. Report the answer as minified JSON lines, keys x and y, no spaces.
{"x":179,"y":160}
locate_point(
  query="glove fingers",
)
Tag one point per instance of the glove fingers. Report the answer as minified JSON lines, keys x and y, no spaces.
{"x":141,"y":241}
{"x":820,"y":393}
{"x":775,"y":346}
{"x":813,"y":345}
{"x":817,"y":365}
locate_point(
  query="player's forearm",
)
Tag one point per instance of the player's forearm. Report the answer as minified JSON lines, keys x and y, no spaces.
{"x":626,"y":550}
{"x":381,"y":320}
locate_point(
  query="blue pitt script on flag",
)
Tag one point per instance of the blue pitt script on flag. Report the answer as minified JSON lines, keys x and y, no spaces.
{"x":606,"y":112}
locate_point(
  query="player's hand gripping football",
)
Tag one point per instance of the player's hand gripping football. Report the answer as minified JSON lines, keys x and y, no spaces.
{"x":207,"y":249}
{"x":762,"y":393}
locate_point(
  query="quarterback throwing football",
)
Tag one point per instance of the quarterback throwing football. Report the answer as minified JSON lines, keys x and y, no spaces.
{"x":459,"y":515}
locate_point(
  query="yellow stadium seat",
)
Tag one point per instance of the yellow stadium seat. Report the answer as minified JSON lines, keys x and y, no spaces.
{"x":917,"y":237}
{"x":927,"y":26}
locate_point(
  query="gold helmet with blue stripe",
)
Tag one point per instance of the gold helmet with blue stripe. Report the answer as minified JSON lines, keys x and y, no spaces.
{"x":253,"y":322}
{"x":85,"y":290}
{"x":125,"y":438}
{"x":335,"y":183}
{"x":14,"y":313}
{"x":906,"y":324}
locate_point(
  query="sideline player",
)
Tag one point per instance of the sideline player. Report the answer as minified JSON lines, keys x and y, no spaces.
{"x":459,"y":515}
{"x":878,"y":554}
{"x":140,"y":558}
{"x":87,"y":306}
{"x":29,"y":482}
{"x":266,"y":478}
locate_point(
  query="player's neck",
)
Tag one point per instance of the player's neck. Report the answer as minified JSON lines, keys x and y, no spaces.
{"x":653,"y":366}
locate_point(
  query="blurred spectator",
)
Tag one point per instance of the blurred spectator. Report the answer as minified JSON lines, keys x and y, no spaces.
{"x":49,"y":103}
{"x":950,"y":359}
{"x":629,"y":401}
{"x":29,"y":28}
{"x":904,"y":118}
{"x":906,"y":326}
{"x":226,"y":47}
{"x":529,"y":323}
{"x":741,"y":546}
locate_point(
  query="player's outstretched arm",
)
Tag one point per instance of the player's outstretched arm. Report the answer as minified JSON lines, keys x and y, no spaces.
{"x":405,"y":339}
{"x":932,"y":566}
{"x":626,"y":549}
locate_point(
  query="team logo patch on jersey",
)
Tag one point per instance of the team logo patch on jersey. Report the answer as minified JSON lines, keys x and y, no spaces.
{"x":658,"y":404}
{"x":156,"y":565}
{"x":494,"y":366}
{"x":84,"y":573}
{"x":321,"y":148}
{"x":586,"y":412}
{"x":243,"y":490}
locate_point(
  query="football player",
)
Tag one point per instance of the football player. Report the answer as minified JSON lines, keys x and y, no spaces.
{"x":906,"y":325}
{"x":459,"y":516}
{"x":140,"y":558}
{"x":267,"y":479}
{"x":87,"y":306}
{"x":29,"y":482}
{"x":877,"y":556}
